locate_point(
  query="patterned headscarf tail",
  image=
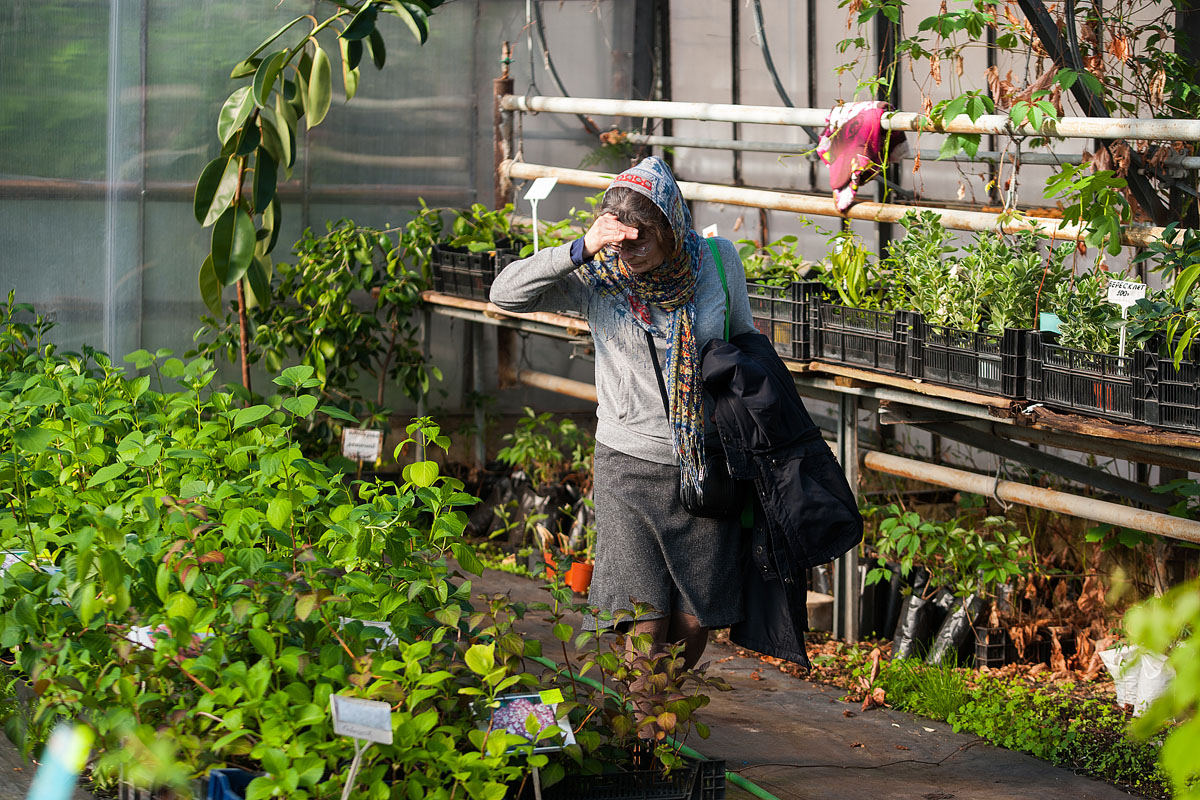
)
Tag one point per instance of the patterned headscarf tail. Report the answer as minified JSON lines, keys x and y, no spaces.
{"x":672,"y":287}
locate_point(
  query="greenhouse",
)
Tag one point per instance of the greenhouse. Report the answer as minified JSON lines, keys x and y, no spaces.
{"x":484,"y":399}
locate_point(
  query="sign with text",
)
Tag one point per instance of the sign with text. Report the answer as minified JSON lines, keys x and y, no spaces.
{"x":361,"y":445}
{"x":1124,"y":293}
{"x":361,"y":719}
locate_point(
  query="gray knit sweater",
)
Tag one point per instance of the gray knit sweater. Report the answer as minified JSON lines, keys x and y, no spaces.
{"x":630,"y":416}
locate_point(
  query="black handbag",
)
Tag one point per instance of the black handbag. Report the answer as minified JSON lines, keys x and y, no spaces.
{"x":719,"y":495}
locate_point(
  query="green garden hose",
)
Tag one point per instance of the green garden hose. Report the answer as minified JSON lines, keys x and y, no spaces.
{"x":734,"y":778}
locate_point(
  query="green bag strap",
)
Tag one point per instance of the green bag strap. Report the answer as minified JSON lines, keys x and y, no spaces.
{"x":712,"y":245}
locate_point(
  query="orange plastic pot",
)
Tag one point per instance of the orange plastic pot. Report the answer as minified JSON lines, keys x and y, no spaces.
{"x":579,"y":577}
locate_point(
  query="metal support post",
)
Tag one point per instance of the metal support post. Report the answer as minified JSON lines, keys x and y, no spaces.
{"x":477,"y":380}
{"x":846,"y":584}
{"x":502,"y":132}
{"x":422,"y":403}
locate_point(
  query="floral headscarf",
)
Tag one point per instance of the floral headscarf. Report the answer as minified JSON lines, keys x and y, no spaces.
{"x":672,"y":287}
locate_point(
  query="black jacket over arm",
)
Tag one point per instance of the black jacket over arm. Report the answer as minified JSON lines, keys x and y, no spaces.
{"x":806,"y":512}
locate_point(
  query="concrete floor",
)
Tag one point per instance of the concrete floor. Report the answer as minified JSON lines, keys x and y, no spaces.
{"x":795,"y":738}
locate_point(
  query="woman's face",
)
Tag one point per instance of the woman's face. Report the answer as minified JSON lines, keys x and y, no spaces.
{"x":642,"y":254}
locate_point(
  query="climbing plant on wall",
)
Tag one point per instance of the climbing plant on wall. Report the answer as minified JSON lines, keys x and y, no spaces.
{"x":1121,"y":59}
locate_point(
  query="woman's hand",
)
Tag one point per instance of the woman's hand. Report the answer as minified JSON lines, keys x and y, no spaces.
{"x":606,"y":230}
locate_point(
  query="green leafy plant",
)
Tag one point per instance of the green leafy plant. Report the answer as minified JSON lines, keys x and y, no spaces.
{"x":634,"y":693}
{"x":969,"y":555}
{"x":346,"y":308}
{"x":1170,"y":625}
{"x":1088,"y":320}
{"x":1018,"y":274}
{"x":480,"y":229}
{"x":1093,"y":201}
{"x":776,"y":263}
{"x":193,"y":588}
{"x":545,"y":449}
{"x":1170,"y":319}
{"x":849,"y":270}
{"x":920,"y":266}
{"x":258,"y":128}
{"x":1045,"y":721}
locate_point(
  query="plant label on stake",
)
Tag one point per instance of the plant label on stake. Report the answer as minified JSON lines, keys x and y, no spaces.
{"x":540,"y":190}
{"x":361,"y":719}
{"x":1125,"y":294}
{"x":362,"y":445}
{"x":365,"y":721}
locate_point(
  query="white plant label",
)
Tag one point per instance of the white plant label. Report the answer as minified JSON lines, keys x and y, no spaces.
{"x":362,"y":445}
{"x":541,"y":189}
{"x":709,"y":232}
{"x":1124,"y":293}
{"x":361,"y":719}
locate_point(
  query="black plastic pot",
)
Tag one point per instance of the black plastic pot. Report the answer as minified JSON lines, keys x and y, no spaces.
{"x":954,"y":638}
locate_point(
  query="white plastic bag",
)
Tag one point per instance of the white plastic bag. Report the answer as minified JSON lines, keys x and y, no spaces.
{"x":1140,"y":677}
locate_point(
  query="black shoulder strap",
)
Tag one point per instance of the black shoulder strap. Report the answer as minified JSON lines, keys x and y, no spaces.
{"x":662,"y":385}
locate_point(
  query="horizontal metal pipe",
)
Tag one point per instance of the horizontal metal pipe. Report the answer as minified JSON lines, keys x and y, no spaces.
{"x":926,"y":153}
{"x":183,"y":191}
{"x":457,"y":163}
{"x":1048,"y":499}
{"x":956,"y":219}
{"x":554,"y":383}
{"x":1187,"y":130}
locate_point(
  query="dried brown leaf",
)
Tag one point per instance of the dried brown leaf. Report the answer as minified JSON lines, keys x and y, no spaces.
{"x":1118,"y":46}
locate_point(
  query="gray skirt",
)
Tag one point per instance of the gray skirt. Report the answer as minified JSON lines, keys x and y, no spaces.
{"x":650,"y":550}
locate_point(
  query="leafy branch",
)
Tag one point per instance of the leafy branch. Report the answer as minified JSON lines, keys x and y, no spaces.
{"x":258,"y":128}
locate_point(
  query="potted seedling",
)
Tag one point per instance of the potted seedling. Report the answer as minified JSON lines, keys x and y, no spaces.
{"x":961,"y":561}
{"x":1080,"y":368}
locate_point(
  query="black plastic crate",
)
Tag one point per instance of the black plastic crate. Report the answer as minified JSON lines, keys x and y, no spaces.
{"x":458,"y":271}
{"x":991,"y":647}
{"x":697,"y":779}
{"x":1084,"y":382}
{"x":784,"y":315}
{"x":859,"y":337}
{"x":1171,"y":394}
{"x":979,"y":362}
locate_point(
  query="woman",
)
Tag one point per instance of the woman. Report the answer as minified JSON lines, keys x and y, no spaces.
{"x":641,"y":267}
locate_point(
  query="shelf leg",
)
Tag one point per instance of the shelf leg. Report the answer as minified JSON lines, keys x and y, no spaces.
{"x":846,"y":589}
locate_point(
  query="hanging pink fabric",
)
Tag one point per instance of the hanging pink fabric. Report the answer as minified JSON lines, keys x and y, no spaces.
{"x":854,"y":144}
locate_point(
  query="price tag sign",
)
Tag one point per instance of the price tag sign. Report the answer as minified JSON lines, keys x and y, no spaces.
{"x":709,"y":232}
{"x":1124,"y":293}
{"x":361,"y":719}
{"x":361,"y":445}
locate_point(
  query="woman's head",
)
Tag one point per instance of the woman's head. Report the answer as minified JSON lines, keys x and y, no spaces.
{"x":655,"y":242}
